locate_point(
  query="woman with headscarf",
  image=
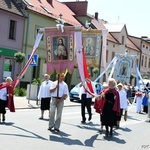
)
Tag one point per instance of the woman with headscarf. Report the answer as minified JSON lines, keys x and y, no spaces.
{"x":6,"y":97}
{"x":110,"y":106}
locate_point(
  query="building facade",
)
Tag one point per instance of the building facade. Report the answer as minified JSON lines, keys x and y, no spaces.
{"x":11,"y":38}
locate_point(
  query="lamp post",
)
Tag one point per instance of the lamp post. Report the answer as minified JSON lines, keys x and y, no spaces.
{"x":142,"y":39}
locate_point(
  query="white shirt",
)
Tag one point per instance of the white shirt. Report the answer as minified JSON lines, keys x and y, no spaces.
{"x":149,"y":97}
{"x":44,"y":90}
{"x":3,"y":94}
{"x":83,"y":91}
{"x":63,"y":89}
{"x":123,"y":99}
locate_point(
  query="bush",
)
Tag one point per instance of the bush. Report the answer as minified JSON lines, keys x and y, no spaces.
{"x":37,"y":81}
{"x":19,"y":57}
{"x":20,"y":92}
{"x":95,"y":70}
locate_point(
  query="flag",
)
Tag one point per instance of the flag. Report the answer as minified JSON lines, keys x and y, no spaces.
{"x":81,"y":61}
{"x":21,"y":74}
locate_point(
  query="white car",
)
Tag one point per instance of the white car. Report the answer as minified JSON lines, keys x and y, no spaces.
{"x":74,"y":95}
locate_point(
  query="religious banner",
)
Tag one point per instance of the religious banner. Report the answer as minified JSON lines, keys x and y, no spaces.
{"x":123,"y":69}
{"x":60,"y":49}
{"x":92,"y":44}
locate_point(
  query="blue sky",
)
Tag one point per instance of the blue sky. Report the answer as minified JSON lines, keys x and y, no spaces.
{"x":133,"y":13}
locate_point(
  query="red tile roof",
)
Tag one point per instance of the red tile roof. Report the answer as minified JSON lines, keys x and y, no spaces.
{"x":55,"y":9}
{"x":9,"y":6}
{"x":131,"y":45}
{"x":78,"y":7}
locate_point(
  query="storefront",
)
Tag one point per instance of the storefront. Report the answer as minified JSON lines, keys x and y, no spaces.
{"x":8,"y":64}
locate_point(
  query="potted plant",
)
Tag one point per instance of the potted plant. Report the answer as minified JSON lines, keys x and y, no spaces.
{"x":33,"y":88}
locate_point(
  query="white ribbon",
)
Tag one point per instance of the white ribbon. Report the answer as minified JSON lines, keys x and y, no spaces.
{"x":60,"y":26}
{"x":113,"y":68}
{"x":110,"y":64}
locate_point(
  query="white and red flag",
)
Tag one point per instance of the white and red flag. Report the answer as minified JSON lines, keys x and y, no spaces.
{"x":21,"y":74}
{"x":82,"y":66}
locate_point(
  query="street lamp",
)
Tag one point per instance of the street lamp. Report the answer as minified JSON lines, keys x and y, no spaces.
{"x":143,"y":38}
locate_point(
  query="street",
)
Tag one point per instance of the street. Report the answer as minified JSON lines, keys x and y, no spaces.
{"x":24,"y":131}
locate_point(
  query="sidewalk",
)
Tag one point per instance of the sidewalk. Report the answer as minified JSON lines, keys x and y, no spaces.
{"x":23,"y":103}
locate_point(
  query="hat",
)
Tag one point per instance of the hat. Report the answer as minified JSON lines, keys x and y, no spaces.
{"x":120,"y":84}
{"x":105,"y":84}
{"x":46,"y":75}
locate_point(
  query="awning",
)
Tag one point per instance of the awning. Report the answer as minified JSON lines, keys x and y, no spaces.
{"x":7,"y":52}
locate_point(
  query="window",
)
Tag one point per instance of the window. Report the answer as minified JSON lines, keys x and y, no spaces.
{"x":122,"y":40}
{"x":142,"y":60}
{"x":106,"y":55}
{"x":46,"y":10}
{"x":12,"y":30}
{"x":145,"y":61}
{"x":36,"y":32}
{"x":7,"y":71}
{"x":113,"y":54}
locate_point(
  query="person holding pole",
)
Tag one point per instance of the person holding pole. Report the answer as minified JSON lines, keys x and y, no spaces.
{"x":59,"y":92}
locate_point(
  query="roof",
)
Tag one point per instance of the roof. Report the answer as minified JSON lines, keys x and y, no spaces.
{"x":10,"y":6}
{"x":78,"y":7}
{"x":114,"y":27}
{"x":131,"y":45}
{"x":100,"y":25}
{"x":52,"y":10}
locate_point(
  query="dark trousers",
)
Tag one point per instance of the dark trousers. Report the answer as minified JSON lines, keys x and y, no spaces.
{"x":85,"y":102}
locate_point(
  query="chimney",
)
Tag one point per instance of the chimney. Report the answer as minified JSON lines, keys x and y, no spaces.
{"x":96,"y":15}
{"x":50,"y":2}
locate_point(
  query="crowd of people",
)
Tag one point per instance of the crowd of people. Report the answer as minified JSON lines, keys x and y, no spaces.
{"x":111,"y":103}
{"x":104,"y":104}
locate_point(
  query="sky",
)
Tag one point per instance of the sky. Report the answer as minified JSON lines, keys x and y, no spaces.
{"x":133,"y":13}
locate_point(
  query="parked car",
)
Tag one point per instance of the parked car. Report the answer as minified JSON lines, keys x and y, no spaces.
{"x":74,"y":95}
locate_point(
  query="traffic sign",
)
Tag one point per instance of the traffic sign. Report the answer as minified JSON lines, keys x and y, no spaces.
{"x":34,"y":61}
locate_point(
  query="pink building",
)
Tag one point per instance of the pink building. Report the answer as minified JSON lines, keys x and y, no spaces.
{"x":11,"y":38}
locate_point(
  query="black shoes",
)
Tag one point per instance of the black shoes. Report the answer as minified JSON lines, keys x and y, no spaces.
{"x":41,"y":118}
{"x":100,"y":131}
{"x":51,"y":129}
{"x":57,"y":130}
{"x":90,"y":117}
{"x":83,"y":121}
{"x":3,"y":118}
{"x":110,"y":134}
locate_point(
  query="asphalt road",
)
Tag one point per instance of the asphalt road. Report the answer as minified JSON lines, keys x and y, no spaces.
{"x":24,"y":131}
